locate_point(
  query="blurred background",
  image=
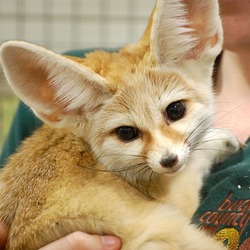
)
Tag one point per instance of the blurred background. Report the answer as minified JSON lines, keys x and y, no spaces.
{"x":62,"y":25}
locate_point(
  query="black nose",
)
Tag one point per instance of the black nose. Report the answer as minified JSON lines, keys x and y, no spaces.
{"x":169,"y":161}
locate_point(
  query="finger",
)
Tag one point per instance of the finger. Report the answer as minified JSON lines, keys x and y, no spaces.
{"x":83,"y":241}
{"x":3,"y":236}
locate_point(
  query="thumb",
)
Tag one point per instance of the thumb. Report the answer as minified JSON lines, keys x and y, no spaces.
{"x":110,"y":242}
{"x":83,"y":241}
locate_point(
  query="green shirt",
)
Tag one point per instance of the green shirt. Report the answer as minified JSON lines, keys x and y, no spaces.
{"x":225,"y":205}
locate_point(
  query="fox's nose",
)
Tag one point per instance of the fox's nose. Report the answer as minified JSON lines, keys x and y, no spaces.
{"x":169,"y":161}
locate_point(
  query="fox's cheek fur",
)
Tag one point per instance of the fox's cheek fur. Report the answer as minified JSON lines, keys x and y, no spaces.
{"x":121,"y":156}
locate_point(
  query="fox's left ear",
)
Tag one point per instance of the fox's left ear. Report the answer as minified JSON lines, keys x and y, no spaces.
{"x":60,"y":91}
{"x":187,"y":33}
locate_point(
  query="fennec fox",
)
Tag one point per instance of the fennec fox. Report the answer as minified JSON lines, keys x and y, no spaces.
{"x":123,"y":148}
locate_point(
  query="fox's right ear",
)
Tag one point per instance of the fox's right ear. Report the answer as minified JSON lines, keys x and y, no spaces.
{"x":59,"y":90}
{"x":184,"y":33}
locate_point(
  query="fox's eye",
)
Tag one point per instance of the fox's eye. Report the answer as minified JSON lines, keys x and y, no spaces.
{"x":127,"y":133}
{"x":175,"y":111}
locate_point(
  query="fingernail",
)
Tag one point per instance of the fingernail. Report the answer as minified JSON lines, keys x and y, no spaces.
{"x":110,"y":242}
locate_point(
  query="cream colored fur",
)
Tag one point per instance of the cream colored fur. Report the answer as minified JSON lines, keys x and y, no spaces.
{"x":75,"y":173}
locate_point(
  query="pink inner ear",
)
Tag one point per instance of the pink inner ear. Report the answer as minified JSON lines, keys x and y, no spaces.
{"x":38,"y":85}
{"x":25,"y":75}
{"x":28,"y":76}
{"x":37,"y":88}
{"x":45,"y":91}
{"x":199,"y":19}
{"x":200,"y":47}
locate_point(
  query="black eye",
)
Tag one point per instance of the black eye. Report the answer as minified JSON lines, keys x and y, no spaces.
{"x":127,"y":133}
{"x":175,"y":111}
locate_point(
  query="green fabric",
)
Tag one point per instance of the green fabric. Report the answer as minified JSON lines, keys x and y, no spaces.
{"x":23,"y":125}
{"x":225,"y":206}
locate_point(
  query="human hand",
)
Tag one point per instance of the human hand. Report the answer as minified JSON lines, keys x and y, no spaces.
{"x":3,"y":236}
{"x":83,"y":241}
{"x":74,"y":241}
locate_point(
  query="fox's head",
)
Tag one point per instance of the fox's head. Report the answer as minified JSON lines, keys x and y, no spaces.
{"x":144,"y":108}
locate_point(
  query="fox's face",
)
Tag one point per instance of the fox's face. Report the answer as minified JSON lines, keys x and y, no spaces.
{"x":154,"y":121}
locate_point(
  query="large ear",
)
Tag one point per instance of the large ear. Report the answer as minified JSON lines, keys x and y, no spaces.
{"x":56,"y":88}
{"x":184,"y":31}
